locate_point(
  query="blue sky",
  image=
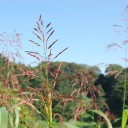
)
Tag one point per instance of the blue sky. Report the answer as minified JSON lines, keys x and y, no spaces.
{"x":85,"y":26}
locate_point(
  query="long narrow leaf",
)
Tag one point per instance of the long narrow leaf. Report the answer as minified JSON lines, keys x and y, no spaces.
{"x":125,"y":118}
{"x":17,"y":116}
{"x":3,"y":117}
{"x":104,"y":116}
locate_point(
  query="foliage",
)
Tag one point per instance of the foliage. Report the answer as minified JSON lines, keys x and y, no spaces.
{"x":52,"y":94}
{"x":3,"y":117}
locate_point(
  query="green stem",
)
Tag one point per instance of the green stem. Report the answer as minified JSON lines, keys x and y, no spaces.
{"x":123,"y":108}
{"x":125,"y":82}
{"x":124,"y":98}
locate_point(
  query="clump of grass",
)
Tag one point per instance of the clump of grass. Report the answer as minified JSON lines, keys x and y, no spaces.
{"x":43,"y":97}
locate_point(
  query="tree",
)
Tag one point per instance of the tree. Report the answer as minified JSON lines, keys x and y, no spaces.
{"x":112,"y":84}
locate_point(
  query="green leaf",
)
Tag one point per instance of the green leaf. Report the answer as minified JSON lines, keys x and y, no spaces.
{"x":17,"y":116}
{"x":53,"y":124}
{"x":11,"y":118}
{"x":70,"y":125}
{"x":104,"y":116}
{"x":3,"y":117}
{"x":125,"y":118}
{"x":87,"y":124}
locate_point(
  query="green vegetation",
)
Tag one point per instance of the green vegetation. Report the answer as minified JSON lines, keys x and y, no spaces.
{"x":79,"y":91}
{"x":60,"y":94}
